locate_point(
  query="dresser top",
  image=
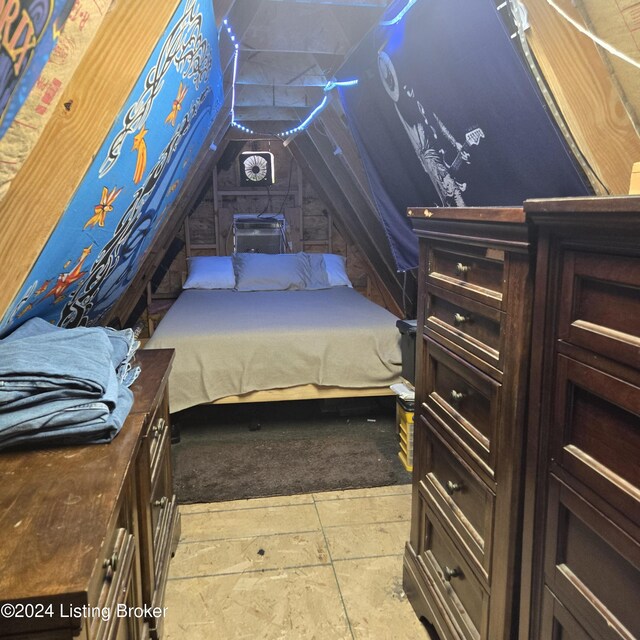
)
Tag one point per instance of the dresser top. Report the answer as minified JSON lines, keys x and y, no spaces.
{"x":57,"y":504}
{"x":607,"y":205}
{"x":147,"y":389}
{"x":55,"y":508}
{"x":468,"y":214}
{"x":497,"y":227}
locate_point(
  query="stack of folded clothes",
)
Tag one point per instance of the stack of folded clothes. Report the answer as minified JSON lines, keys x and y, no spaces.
{"x":64,"y":386}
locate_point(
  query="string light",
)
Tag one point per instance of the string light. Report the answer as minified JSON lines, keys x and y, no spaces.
{"x":344,"y":83}
{"x":332,"y":84}
{"x":399,"y":16}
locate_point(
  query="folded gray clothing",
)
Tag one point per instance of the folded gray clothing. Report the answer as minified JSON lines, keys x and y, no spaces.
{"x":64,"y":361}
{"x":123,"y":341}
{"x":31,"y":395}
{"x":102,"y":427}
{"x":63,"y":386}
{"x":59,"y":413}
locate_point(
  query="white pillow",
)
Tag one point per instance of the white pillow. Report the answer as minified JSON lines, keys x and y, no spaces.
{"x":336,"y":270}
{"x":271,"y":271}
{"x":210,"y":272}
{"x":317,"y":273}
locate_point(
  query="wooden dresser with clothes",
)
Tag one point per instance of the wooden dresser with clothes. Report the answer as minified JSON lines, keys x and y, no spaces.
{"x":88,"y":531}
{"x":581,"y":542}
{"x":461,"y":568}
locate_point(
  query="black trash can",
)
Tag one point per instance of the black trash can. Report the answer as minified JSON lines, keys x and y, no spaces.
{"x":407,"y":330}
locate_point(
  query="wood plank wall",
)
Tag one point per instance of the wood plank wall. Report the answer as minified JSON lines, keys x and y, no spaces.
{"x":582,"y":86}
{"x":313,"y":227}
{"x":64,"y":152}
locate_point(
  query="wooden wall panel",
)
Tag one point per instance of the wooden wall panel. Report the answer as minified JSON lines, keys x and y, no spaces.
{"x":582,"y":86}
{"x":618,"y":23}
{"x":311,"y":227}
{"x":70,"y":46}
{"x":41,"y":190}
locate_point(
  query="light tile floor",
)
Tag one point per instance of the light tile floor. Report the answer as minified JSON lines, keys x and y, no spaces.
{"x":321,"y":566}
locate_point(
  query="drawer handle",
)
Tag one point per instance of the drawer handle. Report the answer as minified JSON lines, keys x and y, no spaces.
{"x":462,"y":269}
{"x":157,"y":430}
{"x":456,"y":396}
{"x":458,"y":318}
{"x":162,"y":503}
{"x":452,"y":487}
{"x":110,"y":564}
{"x":452,"y":573}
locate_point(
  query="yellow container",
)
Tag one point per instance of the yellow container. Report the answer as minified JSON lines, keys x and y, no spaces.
{"x":403,"y":416}
{"x":404,"y":427}
{"x":405,"y":462}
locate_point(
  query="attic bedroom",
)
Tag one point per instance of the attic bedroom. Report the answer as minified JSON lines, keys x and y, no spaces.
{"x":319,"y":319}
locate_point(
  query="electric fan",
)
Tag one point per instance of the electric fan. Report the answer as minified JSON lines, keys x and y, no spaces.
{"x":256,"y":168}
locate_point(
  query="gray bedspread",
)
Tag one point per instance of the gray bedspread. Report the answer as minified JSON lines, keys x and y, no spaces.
{"x":233,"y":342}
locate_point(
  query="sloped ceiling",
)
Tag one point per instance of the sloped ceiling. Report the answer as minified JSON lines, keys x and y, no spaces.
{"x":106,"y":170}
{"x":287,"y":51}
{"x":619,"y":23}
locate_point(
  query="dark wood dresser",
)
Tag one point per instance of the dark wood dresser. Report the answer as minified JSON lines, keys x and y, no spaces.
{"x":581,"y":539}
{"x":87,"y":532}
{"x":461,"y":567}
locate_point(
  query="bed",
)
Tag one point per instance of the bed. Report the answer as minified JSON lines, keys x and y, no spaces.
{"x":277,"y":344}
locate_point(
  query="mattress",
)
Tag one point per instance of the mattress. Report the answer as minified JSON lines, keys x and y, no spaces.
{"x":233,"y":342}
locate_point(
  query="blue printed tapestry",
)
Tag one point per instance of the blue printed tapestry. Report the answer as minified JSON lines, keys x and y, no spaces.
{"x":445,"y":114}
{"x":96,"y":248}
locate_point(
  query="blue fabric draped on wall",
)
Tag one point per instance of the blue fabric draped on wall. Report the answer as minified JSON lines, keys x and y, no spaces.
{"x":132,"y":184}
{"x":445,"y":113}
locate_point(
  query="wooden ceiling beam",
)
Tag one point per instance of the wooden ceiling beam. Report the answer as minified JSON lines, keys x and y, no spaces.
{"x":249,"y":115}
{"x":284,"y":69}
{"x":314,"y":153}
{"x":267,"y":129}
{"x":345,"y":148}
{"x":361,"y":206}
{"x":221,"y":9}
{"x":271,"y":96}
{"x":295,"y":28}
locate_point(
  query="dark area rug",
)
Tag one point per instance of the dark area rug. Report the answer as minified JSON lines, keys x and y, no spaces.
{"x":231,"y":452}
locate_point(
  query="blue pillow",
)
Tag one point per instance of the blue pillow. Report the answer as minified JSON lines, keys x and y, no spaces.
{"x":210,"y":272}
{"x":336,"y":270}
{"x":271,"y":271}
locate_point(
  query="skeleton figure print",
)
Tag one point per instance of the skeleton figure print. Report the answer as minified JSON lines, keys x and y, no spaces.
{"x":429,"y":137}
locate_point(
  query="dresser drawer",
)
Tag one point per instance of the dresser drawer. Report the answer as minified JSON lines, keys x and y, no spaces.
{"x":114,"y":587}
{"x":475,"y":272}
{"x":600,"y":305}
{"x":557,"y":622}
{"x":473,"y":329}
{"x":456,"y":590}
{"x":465,"y":402}
{"x":462,"y":502}
{"x":591,"y":565}
{"x":159,"y":439}
{"x":166,"y":526}
{"x":161,"y":500}
{"x":596,"y":434}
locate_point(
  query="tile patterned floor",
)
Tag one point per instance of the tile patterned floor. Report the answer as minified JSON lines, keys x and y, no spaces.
{"x":321,"y":566}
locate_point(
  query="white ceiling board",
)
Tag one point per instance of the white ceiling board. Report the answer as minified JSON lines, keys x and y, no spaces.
{"x":271,"y":96}
{"x":281,"y":69}
{"x":288,"y":51}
